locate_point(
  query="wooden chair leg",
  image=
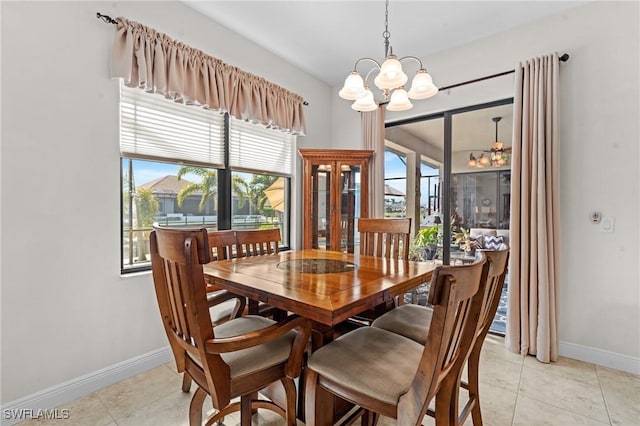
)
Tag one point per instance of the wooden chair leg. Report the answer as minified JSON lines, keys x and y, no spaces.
{"x":447,"y":401}
{"x":318,"y":402}
{"x":195,"y":408}
{"x":253,"y":307}
{"x":290,"y":393}
{"x":254,"y":397}
{"x":473,"y":366}
{"x":186,"y":382}
{"x":369,"y":418}
{"x":245,"y":410}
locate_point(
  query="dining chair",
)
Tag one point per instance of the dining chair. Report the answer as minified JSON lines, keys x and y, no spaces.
{"x":223,"y":246}
{"x":223,"y":305}
{"x":388,"y":238}
{"x":413,"y":321}
{"x":258,"y":242}
{"x":388,"y":374}
{"x":234,"y":359}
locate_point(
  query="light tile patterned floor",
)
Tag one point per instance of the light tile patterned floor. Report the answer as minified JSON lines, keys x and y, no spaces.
{"x":515,"y":390}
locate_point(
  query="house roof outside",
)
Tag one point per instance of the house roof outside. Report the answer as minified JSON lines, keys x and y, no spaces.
{"x":166,"y":185}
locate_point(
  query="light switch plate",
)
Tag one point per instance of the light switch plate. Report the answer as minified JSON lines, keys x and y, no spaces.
{"x":608,"y":224}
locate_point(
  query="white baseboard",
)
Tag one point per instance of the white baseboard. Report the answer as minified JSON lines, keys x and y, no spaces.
{"x":84,"y":385}
{"x":600,"y":357}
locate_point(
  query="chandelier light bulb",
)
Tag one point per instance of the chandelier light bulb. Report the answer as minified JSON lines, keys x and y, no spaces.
{"x":484,"y":160}
{"x":399,"y":101}
{"x":365,"y":102}
{"x":353,"y":87}
{"x":391,"y":74}
{"x":422,"y":86}
{"x":472,"y":161}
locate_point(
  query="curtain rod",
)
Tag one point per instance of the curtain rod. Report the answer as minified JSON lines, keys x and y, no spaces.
{"x":563,"y":58}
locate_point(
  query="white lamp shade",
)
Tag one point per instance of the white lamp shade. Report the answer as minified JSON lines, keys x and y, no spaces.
{"x":353,"y":87}
{"x":399,"y":101}
{"x":484,"y":160}
{"x":422,"y":86}
{"x":365,"y":102}
{"x":391,"y":75}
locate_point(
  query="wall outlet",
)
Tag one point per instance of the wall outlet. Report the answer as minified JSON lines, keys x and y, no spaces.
{"x":608,"y":224}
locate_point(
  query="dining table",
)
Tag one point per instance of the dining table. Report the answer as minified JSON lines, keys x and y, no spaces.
{"x":327,"y":287}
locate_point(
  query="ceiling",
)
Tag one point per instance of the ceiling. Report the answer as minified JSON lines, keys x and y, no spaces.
{"x":325,"y":38}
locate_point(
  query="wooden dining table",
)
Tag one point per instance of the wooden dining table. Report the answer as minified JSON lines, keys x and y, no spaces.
{"x":326,"y":287}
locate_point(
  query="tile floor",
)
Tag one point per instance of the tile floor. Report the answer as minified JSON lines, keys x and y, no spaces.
{"x":515,"y":390}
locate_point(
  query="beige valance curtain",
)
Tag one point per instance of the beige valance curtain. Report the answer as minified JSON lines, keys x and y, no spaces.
{"x":373,"y":138}
{"x":154,"y":62}
{"x":532,"y":306}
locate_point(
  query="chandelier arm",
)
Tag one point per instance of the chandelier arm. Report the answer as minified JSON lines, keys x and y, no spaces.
{"x":369,"y":73}
{"x":414,"y":58}
{"x":365,"y":59}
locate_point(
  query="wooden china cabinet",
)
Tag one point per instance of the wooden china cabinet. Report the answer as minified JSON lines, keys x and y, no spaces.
{"x":335,"y":195}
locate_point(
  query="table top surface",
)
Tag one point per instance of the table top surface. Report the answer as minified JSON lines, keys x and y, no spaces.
{"x":324,"y":286}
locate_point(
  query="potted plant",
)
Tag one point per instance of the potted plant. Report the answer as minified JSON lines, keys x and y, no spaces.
{"x":425,"y":243}
{"x":467,"y":243}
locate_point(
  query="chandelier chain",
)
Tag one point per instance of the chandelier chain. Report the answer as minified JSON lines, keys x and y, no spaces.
{"x":386,"y":34}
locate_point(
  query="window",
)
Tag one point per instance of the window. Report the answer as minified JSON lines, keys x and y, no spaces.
{"x":395,"y":184}
{"x":178,"y":162}
{"x":430,"y":193}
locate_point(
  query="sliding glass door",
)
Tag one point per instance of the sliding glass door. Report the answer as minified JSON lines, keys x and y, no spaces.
{"x":464,"y":185}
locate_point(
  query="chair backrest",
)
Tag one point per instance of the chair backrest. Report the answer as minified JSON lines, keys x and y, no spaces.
{"x":177,"y":256}
{"x":497,"y":270}
{"x":456,"y":300}
{"x":387,"y":238}
{"x":257,"y":242}
{"x":222,"y":244}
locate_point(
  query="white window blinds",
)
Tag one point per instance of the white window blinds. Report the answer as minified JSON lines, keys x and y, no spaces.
{"x":153,"y":127}
{"x":253,"y":147}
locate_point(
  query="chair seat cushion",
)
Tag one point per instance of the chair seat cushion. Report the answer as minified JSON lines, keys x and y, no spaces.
{"x":356,"y":359}
{"x":222,"y":312}
{"x":247,"y":361}
{"x":410,"y":321}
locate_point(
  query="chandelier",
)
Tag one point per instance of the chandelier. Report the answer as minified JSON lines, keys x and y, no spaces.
{"x":390,"y":80}
{"x":496,"y":156}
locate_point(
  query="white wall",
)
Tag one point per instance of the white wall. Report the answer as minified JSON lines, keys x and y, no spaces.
{"x":599,"y":114}
{"x":66,"y":311}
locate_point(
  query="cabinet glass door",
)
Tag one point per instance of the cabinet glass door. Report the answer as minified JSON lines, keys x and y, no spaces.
{"x":321,"y":205}
{"x":350,"y":202}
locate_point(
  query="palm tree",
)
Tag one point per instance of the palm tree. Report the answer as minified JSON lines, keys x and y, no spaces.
{"x":253,"y":191}
{"x":208,"y":186}
{"x":146,"y":208}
